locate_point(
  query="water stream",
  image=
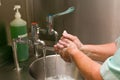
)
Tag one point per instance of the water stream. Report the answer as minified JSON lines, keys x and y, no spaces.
{"x":44,"y":55}
{"x":57,"y":76}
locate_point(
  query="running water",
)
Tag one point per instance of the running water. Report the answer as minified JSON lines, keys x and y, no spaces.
{"x":44,"y":56}
{"x":56,"y":61}
{"x":57,"y":76}
{"x":56,"y":68}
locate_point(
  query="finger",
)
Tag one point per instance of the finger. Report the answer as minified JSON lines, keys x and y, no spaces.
{"x":66,"y":41}
{"x":59,"y":46}
{"x":62,"y":42}
{"x":55,"y":48}
{"x":69,"y":36}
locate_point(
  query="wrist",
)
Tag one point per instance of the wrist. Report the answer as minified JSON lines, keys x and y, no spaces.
{"x":73,"y":52}
{"x":85,"y":49}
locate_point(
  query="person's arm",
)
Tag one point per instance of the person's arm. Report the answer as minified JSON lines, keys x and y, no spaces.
{"x":89,"y":68}
{"x":100,"y":52}
{"x":96,"y":52}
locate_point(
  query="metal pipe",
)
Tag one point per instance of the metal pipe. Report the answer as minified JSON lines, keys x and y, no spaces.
{"x":15,"y":55}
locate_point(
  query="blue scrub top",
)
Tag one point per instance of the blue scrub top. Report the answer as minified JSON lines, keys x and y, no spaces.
{"x":110,"y":69}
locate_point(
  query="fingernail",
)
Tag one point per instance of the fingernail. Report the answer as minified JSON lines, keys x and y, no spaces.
{"x":64,"y":32}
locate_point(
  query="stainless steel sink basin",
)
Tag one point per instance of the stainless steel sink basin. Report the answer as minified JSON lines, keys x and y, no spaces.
{"x":54,"y":66}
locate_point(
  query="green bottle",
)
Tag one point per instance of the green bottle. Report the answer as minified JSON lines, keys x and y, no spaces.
{"x":18,"y":27}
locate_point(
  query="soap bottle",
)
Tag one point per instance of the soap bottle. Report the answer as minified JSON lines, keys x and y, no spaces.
{"x":18,"y":27}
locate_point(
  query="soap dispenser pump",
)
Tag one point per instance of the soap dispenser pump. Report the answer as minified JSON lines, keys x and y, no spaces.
{"x":17,"y":14}
{"x":18,"y":27}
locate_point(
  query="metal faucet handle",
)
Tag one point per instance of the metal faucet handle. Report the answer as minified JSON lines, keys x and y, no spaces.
{"x":38,"y":29}
{"x":35,"y":29}
{"x":39,"y":42}
{"x":23,"y":40}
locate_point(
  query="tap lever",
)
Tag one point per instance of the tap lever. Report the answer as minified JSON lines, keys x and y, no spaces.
{"x":35,"y":30}
{"x":69,"y":10}
{"x":51,"y":17}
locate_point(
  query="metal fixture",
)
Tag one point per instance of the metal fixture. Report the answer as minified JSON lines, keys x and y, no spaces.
{"x":15,"y":55}
{"x":38,"y":33}
{"x":14,"y":46}
{"x":48,"y":33}
{"x":36,"y":68}
{"x":50,"y":19}
{"x":35,"y":38}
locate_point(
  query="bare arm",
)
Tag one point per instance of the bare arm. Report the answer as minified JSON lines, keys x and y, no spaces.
{"x":89,"y":68}
{"x":96,"y":52}
{"x":100,"y":52}
{"x":70,"y":46}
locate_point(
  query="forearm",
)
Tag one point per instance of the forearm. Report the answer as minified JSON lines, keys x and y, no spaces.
{"x":89,"y":68}
{"x":100,"y":52}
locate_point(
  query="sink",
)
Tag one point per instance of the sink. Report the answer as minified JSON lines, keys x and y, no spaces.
{"x":54,"y":66}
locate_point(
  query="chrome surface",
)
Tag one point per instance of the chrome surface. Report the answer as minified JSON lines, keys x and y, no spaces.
{"x":8,"y":72}
{"x":35,"y":29}
{"x":93,"y":21}
{"x":50,"y":19}
{"x":14,"y":46}
{"x":21,"y":40}
{"x":54,"y":65}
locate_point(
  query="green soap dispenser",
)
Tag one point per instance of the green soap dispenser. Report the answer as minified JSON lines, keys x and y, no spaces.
{"x":18,"y":27}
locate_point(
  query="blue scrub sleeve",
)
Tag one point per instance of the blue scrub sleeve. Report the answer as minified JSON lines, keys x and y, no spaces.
{"x":106,"y":73}
{"x":117,"y":41}
{"x":110,"y":69}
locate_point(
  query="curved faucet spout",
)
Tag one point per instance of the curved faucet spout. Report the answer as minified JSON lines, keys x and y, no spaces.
{"x":69,"y":10}
{"x":51,"y":17}
{"x":40,"y":42}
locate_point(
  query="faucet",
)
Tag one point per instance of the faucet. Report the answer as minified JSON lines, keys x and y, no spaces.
{"x":24,"y":40}
{"x":48,"y":33}
{"x":51,"y":17}
{"x":39,"y":34}
{"x":35,"y":38}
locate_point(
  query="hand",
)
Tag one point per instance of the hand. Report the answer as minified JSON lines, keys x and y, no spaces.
{"x":65,"y":48}
{"x":73,"y":39}
{"x":60,"y":48}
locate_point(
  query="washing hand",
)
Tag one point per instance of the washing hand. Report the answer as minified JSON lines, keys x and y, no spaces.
{"x":67,"y":45}
{"x":73,"y":39}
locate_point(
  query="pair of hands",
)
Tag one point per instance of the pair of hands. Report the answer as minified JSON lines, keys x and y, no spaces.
{"x":67,"y":45}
